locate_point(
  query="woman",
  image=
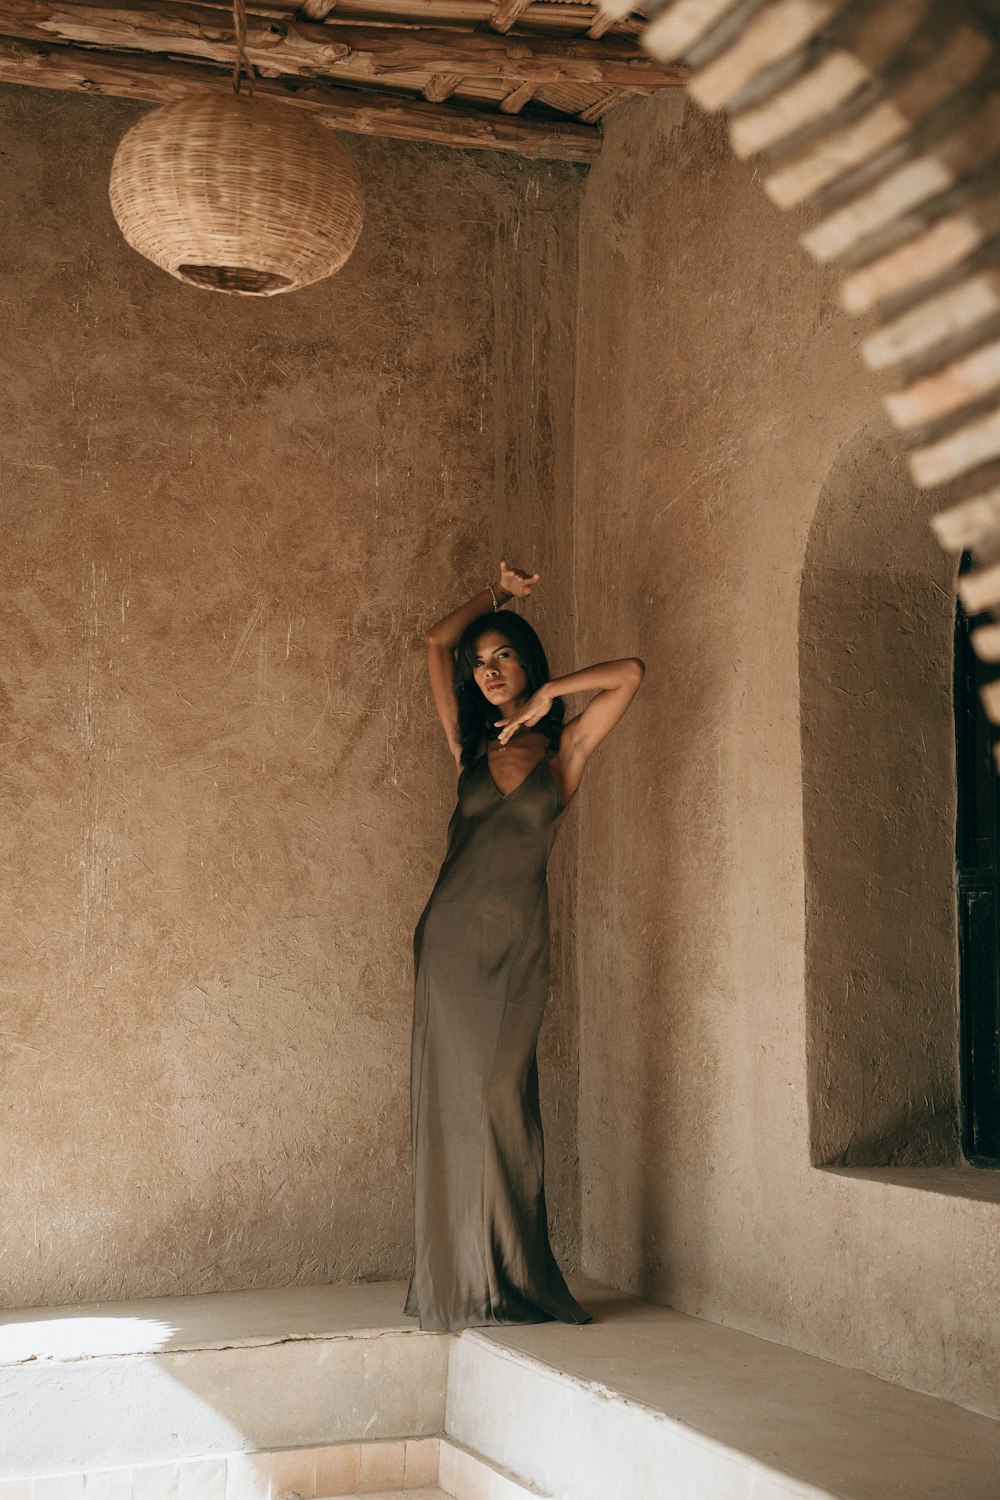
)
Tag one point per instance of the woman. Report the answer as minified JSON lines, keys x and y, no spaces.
{"x":481,"y":1245}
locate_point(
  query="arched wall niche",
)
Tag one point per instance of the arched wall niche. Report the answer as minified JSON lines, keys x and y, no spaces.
{"x":878,"y":771}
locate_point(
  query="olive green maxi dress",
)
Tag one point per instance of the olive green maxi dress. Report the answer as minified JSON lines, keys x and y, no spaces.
{"x":481,"y":948}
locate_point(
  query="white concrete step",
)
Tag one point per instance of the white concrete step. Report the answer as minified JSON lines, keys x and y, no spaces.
{"x":170,"y":1379}
{"x":647,"y":1402}
{"x":265,"y":1396}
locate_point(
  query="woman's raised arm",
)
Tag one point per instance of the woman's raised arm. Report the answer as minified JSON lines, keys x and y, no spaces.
{"x":443,"y":638}
{"x":614,"y":685}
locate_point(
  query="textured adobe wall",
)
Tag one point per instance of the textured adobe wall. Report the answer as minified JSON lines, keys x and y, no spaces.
{"x":718,"y":393}
{"x":225,"y":794}
{"x":224,"y":797}
{"x":876,"y":642}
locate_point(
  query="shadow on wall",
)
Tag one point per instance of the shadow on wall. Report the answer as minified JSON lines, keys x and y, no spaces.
{"x":876,"y":629}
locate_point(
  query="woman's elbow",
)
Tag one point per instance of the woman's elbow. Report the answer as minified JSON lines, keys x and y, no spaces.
{"x":636,"y":668}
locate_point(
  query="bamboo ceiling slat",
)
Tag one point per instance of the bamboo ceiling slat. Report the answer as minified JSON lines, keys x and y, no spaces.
{"x":600,"y":107}
{"x":568,"y":98}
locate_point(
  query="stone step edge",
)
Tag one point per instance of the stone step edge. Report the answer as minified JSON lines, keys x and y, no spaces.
{"x":585,"y":1383}
{"x":213,"y":1346}
{"x":766,"y":1478}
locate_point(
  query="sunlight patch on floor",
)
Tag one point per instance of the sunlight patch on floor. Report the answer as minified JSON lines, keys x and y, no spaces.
{"x":70,"y":1337}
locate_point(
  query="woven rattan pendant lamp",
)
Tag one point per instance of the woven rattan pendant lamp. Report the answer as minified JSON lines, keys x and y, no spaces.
{"x":237,"y":193}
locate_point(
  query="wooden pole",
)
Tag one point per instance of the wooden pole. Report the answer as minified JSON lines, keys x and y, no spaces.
{"x":569,"y":17}
{"x":506,"y":13}
{"x":360,"y":112}
{"x":281,"y":45}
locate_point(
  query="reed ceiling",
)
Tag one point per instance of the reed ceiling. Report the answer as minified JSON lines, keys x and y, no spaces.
{"x":534,"y":77}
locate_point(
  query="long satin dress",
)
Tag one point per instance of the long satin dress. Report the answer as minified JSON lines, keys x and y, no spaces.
{"x":481,"y":1244}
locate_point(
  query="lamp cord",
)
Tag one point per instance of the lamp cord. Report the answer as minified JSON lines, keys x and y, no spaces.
{"x":240,"y":64}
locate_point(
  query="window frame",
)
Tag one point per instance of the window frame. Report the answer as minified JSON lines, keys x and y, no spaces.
{"x":977,"y":861}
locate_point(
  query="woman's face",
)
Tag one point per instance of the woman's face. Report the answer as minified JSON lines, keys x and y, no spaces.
{"x":499,"y":675}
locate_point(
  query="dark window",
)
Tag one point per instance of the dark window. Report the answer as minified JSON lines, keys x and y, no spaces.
{"x":978,"y":855}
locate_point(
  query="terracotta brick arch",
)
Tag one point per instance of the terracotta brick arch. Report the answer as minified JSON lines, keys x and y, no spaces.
{"x":885,"y":117}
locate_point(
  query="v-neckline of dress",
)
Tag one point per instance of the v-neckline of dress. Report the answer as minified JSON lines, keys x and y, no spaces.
{"x":514,"y":789}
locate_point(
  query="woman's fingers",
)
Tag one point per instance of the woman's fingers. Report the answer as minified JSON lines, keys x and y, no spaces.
{"x":510,"y":578}
{"x":509,"y":727}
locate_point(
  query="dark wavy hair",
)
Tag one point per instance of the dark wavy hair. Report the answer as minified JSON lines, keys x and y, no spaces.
{"x":475,"y":712}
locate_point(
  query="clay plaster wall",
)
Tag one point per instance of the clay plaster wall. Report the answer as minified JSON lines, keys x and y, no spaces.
{"x":226,"y":525}
{"x":727,"y":440}
{"x":876,"y":625}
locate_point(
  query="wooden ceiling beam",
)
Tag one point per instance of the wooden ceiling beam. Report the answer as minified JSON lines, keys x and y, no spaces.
{"x":514,"y":102}
{"x":188,"y":30}
{"x":441,"y":86}
{"x":360,"y":112}
{"x":609,"y":13}
{"x":568,"y":17}
{"x":277,"y":46}
{"x":506,"y":13}
{"x":615,"y":61}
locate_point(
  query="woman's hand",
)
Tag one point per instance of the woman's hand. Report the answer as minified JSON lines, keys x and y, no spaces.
{"x":516,"y":582}
{"x":535,"y":709}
